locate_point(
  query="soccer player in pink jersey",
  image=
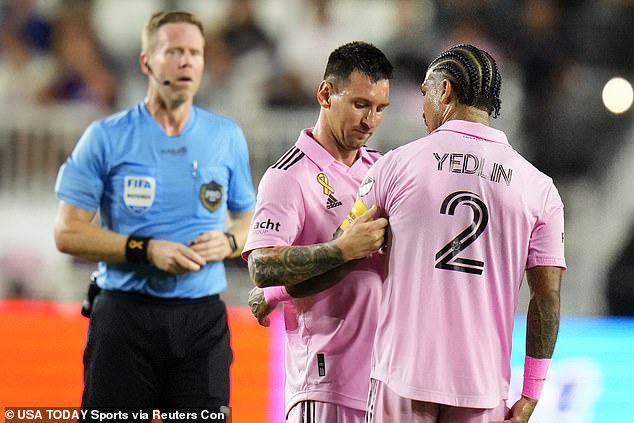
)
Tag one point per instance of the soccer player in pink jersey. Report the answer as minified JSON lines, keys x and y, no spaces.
{"x":332,"y":299}
{"x":468,"y":217}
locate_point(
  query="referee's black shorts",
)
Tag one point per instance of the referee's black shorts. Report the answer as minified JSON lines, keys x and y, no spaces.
{"x":144,"y":353}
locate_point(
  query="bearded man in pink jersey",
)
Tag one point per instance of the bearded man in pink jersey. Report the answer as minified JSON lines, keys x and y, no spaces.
{"x":468,"y":217}
{"x":330,"y":289}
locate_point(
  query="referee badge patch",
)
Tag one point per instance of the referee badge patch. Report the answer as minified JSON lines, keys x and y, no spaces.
{"x":211,"y":195}
{"x":138,"y":193}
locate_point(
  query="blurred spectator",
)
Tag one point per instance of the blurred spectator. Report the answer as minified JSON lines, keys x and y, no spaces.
{"x":304,"y":53}
{"x":242,"y":33}
{"x":601,"y":31}
{"x":233,"y":53}
{"x":81,"y":74}
{"x":555,"y":65}
{"x":21,"y":18}
{"x":542,"y":51}
{"x":23,"y":72}
{"x":25,"y":64}
{"x":117,"y":24}
{"x":413,"y":44}
{"x":470,"y":22}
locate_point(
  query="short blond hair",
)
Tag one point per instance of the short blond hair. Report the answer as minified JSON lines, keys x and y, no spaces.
{"x":148,"y":40}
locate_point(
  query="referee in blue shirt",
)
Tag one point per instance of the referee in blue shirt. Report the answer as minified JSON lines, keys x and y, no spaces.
{"x":163,"y":176}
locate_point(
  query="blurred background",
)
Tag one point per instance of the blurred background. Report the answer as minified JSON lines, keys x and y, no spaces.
{"x":567,"y":73}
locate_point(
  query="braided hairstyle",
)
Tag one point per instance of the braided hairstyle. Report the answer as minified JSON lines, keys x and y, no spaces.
{"x":474,"y":76}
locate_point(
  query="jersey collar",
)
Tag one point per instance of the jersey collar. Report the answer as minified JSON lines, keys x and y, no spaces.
{"x":318,"y":154}
{"x":477,"y":130}
{"x":188,"y":126}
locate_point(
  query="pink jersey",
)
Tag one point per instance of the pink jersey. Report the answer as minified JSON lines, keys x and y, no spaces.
{"x":467,"y":216}
{"x":301,"y":200}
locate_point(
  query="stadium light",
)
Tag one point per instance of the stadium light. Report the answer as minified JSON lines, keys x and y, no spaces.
{"x":618,"y":95}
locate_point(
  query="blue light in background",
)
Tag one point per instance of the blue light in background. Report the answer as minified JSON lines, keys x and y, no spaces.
{"x":591,"y":378}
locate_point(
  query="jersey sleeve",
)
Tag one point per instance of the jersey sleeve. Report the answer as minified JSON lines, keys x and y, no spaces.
{"x":374,"y":189}
{"x":241,"y":196}
{"x":279,"y":212}
{"x":546,"y":245}
{"x":80,"y":181}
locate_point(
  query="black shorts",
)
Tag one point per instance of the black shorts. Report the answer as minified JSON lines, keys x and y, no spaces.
{"x":146,"y":353}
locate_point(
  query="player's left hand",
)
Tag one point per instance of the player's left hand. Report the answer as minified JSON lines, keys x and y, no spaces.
{"x":363,"y":237}
{"x":212,"y":245}
{"x":259,"y":307}
{"x":521,"y":411}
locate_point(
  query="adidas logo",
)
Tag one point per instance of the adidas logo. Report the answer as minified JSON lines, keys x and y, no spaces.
{"x":332,"y":202}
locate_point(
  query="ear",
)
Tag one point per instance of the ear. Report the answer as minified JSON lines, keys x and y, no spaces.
{"x":446,"y":91}
{"x":143,"y":63}
{"x":324,"y":94}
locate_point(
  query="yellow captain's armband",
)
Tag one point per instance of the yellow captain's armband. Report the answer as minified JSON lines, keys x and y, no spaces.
{"x":357,"y":210}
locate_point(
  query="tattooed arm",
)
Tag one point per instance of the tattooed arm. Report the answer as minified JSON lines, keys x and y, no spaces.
{"x":321,"y":282}
{"x":543,"y":311}
{"x":541,"y":329}
{"x":260,"y":308}
{"x":290,"y":265}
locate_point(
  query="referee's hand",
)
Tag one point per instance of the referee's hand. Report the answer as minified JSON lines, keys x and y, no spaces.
{"x":212,"y":245}
{"x":363,"y":237}
{"x":173,"y":257}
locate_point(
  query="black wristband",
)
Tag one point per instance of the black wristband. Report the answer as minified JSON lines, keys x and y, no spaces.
{"x":232,"y":241}
{"x":136,"y":249}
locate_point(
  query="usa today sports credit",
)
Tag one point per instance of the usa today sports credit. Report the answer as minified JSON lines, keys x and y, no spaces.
{"x":63,"y":415}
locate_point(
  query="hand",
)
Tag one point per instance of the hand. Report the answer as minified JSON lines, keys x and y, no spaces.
{"x":363,"y":237}
{"x":173,"y":257}
{"x":521,"y":411}
{"x":259,"y":307}
{"x":212,"y":245}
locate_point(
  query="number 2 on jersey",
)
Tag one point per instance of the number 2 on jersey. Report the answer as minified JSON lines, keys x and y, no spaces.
{"x":446,"y":257}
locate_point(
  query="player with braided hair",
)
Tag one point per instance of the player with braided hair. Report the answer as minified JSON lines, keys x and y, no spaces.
{"x":474,"y":74}
{"x":468,"y":217}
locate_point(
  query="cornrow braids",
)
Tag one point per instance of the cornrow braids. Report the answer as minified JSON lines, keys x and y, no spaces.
{"x":474,"y":74}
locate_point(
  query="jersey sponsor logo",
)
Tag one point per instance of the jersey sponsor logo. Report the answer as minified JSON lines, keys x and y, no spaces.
{"x":139,"y":193}
{"x":211,"y":195}
{"x":264,"y":226}
{"x":331,"y":201}
{"x":175,"y":151}
{"x":366,"y":186}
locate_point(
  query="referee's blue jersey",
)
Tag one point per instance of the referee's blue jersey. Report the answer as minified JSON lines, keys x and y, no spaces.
{"x":147,"y":183}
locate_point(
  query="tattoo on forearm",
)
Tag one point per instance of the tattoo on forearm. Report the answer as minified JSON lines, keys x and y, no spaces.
{"x":291,"y":265}
{"x":321,"y":282}
{"x":542,"y":328}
